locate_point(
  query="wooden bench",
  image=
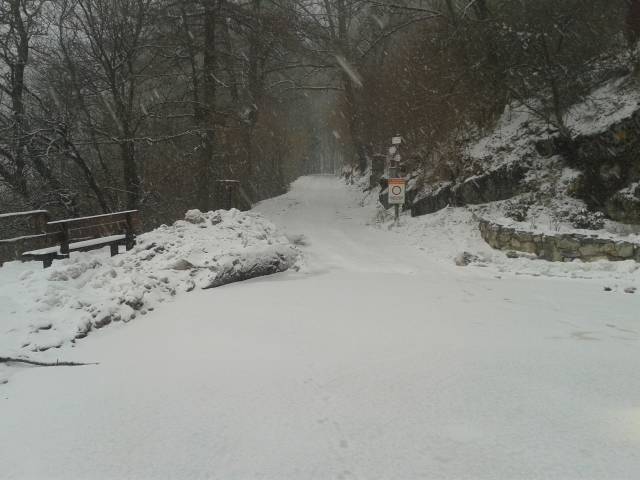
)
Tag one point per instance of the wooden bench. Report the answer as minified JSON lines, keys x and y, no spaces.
{"x":87,"y":233}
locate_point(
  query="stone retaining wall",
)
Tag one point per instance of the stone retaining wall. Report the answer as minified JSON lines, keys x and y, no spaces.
{"x":560,"y":247}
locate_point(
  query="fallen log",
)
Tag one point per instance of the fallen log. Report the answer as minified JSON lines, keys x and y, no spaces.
{"x":43,"y":364}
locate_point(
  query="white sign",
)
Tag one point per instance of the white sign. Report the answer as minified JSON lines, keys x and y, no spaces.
{"x":397,"y":190}
{"x":396,"y":140}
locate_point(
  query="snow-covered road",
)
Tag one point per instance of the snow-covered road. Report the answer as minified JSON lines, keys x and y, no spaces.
{"x":372,"y":362}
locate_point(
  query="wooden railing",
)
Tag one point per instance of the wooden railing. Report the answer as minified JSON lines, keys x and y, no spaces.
{"x":50,"y":240}
{"x":33,"y":233}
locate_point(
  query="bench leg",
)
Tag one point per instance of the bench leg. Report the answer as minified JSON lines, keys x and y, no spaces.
{"x":130,"y":244}
{"x":47,"y":262}
{"x":115,"y":249}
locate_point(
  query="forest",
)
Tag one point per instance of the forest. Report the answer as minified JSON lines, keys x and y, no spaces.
{"x":108,"y":105}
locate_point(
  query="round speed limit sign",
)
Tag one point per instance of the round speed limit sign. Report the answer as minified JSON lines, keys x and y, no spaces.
{"x":397,"y":190}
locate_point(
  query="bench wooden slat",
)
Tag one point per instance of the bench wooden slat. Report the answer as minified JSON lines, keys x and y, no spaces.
{"x":78,"y":246}
{"x":95,"y":219}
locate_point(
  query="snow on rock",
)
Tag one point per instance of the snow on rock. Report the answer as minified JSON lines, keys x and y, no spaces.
{"x":609,"y":104}
{"x":518,"y":129}
{"x":511,"y":140}
{"x":44,"y":309}
{"x":452,"y":236}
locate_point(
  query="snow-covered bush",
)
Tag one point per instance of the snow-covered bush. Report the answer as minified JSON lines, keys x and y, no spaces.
{"x":587,"y":220}
{"x":517,"y":209}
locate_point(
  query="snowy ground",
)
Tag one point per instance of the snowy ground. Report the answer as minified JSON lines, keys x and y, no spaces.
{"x":449,"y":232}
{"x":378,"y":359}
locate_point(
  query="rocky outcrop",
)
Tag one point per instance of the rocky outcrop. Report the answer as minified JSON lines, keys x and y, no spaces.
{"x":560,"y":247}
{"x":609,"y":162}
{"x":624,"y":206}
{"x":499,"y":184}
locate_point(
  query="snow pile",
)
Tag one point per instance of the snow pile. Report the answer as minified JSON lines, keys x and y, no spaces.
{"x":43,"y":309}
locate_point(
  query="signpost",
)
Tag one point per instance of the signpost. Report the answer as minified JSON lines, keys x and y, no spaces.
{"x":396,"y":192}
{"x":397,"y":187}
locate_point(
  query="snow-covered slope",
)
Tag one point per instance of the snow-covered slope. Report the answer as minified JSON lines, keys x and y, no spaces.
{"x":44,"y":309}
{"x":554,"y":191}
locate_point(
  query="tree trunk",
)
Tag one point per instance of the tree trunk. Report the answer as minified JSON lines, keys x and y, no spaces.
{"x":353,"y":116}
{"x":17,"y":101}
{"x":207,"y":170}
{"x":130,"y":173}
{"x":633,"y":22}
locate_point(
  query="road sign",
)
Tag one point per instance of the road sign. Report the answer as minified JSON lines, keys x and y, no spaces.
{"x":397,"y":189}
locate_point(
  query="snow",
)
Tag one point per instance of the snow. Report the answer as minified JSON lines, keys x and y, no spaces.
{"x":632,"y":191}
{"x":43,"y":309}
{"x":451,"y":231}
{"x":615,"y":101}
{"x":349,"y":69}
{"x":518,"y":128}
{"x":513,"y":141}
{"x":375,"y":360}
{"x":510,"y":140}
{"x":22,"y":237}
{"x":22,"y":214}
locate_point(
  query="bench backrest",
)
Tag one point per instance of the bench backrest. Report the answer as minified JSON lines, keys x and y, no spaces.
{"x":87,"y":228}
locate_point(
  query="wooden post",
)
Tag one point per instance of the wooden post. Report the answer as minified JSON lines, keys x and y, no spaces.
{"x":377,"y":169}
{"x":229,"y":192}
{"x":64,"y":245}
{"x":40,"y":221}
{"x":129,"y":234}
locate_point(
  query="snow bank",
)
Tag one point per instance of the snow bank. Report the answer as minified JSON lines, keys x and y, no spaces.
{"x":43,"y":309}
{"x":446,"y":235}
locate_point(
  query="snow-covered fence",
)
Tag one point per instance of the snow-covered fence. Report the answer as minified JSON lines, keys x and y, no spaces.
{"x":23,"y":231}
